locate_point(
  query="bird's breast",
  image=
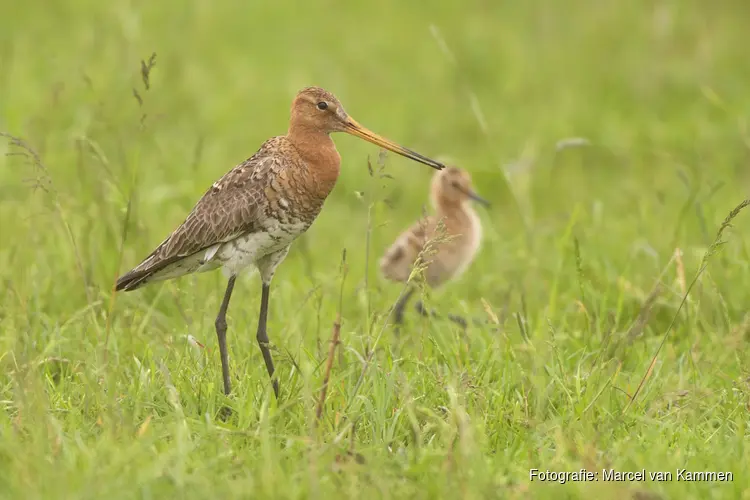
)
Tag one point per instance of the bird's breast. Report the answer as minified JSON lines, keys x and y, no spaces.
{"x":297,"y":194}
{"x":468,"y":243}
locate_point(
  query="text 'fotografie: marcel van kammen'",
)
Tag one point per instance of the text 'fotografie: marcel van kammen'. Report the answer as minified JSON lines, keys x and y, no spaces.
{"x":606,"y":475}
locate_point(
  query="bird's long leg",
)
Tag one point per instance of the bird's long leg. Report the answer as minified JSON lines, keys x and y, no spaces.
{"x":263,"y":336}
{"x":400,"y":306}
{"x":221,"y":333}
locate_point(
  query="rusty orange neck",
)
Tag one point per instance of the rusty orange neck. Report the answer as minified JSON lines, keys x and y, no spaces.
{"x":319,"y":155}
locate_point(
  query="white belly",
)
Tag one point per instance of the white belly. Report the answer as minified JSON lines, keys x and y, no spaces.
{"x":244,"y":251}
{"x":472,"y":246}
{"x":234,"y":255}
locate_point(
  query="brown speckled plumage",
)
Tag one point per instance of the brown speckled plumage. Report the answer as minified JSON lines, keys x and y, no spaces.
{"x":250,"y":216}
{"x":454,"y":234}
{"x":266,"y":189}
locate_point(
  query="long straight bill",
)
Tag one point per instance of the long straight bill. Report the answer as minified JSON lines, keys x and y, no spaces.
{"x":354,"y":128}
{"x":474,"y":196}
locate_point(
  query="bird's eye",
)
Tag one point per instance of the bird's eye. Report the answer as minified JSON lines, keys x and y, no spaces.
{"x":455,"y":184}
{"x":322,"y":105}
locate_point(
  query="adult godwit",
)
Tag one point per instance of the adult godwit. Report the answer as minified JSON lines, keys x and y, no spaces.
{"x":253,"y":213}
{"x":453,"y":247}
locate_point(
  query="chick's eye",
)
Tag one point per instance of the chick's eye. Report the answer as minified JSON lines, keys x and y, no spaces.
{"x":322,"y":105}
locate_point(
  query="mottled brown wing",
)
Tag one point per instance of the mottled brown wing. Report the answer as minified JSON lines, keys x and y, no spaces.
{"x":230,"y":208}
{"x":397,"y":262}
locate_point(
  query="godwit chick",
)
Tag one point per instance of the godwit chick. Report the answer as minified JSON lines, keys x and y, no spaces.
{"x":253,"y":213}
{"x":454,"y":243}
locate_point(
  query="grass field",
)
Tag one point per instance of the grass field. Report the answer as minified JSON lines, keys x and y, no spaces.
{"x":613,"y":138}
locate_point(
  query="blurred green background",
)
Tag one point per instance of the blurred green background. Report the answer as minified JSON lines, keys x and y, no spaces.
{"x":611,"y":137}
